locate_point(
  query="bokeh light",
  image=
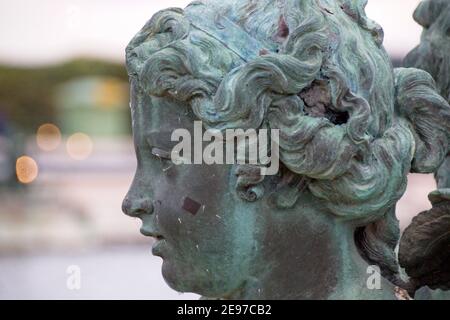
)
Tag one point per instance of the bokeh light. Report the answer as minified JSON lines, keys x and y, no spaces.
{"x":26,"y":169}
{"x":111,"y":93}
{"x":79,"y":146}
{"x":48,"y":137}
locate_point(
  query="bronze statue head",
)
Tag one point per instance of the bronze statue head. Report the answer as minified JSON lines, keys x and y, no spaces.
{"x":351,"y":129}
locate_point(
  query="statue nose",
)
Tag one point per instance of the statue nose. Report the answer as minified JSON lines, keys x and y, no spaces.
{"x":136,"y":207}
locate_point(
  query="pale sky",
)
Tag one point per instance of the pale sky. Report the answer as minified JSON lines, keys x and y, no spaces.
{"x":34,"y":32}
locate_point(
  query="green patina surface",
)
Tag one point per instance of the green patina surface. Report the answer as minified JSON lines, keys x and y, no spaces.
{"x":351,"y":129}
{"x":433,"y":56}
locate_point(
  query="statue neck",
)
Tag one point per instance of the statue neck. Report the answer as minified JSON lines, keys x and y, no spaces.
{"x":311,"y":260}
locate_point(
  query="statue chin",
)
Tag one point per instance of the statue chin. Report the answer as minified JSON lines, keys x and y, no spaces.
{"x":185,"y":282}
{"x":173,"y":279}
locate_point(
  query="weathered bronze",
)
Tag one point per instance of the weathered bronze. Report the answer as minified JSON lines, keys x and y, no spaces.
{"x":433,"y":56}
{"x":351,"y":129}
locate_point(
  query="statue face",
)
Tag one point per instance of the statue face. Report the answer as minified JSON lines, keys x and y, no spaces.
{"x":202,"y":231}
{"x":218,"y":249}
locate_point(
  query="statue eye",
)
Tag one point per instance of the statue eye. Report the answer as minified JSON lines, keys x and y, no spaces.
{"x":165,"y":157}
{"x":161,"y":154}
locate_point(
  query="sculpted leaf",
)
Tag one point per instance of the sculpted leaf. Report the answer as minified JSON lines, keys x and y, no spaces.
{"x":425,"y":245}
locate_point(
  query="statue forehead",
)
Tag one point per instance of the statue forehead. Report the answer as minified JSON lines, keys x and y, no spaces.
{"x":160,"y":113}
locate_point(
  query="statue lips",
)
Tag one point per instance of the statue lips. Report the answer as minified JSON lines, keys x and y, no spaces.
{"x":159,"y":241}
{"x":158,"y":247}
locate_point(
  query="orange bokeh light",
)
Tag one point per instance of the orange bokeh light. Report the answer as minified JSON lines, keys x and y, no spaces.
{"x":48,"y":137}
{"x":26,"y":169}
{"x":79,"y":146}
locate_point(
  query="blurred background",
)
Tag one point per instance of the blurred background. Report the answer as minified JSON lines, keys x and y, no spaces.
{"x":66,"y":153}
